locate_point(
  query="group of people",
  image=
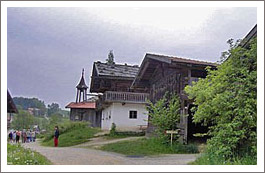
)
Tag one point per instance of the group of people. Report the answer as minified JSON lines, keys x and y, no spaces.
{"x":24,"y":135}
{"x":29,"y":136}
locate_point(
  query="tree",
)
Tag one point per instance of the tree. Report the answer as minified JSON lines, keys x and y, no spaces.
{"x":164,"y":114}
{"x":22,"y":120}
{"x":227,"y":102}
{"x":25,"y":103}
{"x":110,"y":59}
{"x":53,"y":108}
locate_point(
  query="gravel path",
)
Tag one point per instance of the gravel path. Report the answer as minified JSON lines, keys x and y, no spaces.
{"x":87,"y":156}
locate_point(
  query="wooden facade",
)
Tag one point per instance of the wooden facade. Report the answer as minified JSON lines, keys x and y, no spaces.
{"x":84,"y":114}
{"x":114,"y":82}
{"x":159,"y":74}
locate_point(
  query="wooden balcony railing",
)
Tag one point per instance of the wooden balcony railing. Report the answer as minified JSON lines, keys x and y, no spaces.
{"x":128,"y":97}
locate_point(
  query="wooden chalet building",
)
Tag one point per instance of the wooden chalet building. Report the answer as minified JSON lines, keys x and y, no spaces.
{"x":83,"y":109}
{"x":118,"y":103}
{"x":11,"y":108}
{"x":159,"y":74}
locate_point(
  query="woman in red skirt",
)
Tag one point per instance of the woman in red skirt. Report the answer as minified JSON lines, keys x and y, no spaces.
{"x":56,"y":136}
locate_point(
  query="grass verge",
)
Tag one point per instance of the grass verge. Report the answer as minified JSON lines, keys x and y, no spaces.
{"x":17,"y":155}
{"x":152,"y":146}
{"x":118,"y":135}
{"x":71,"y":134}
{"x":208,"y":159}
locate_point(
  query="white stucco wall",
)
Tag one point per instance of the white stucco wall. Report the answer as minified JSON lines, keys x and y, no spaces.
{"x":119,"y":114}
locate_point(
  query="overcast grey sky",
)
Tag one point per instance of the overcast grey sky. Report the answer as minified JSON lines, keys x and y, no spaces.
{"x":48,"y":47}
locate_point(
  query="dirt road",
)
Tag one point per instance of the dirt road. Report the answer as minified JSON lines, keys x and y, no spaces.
{"x":77,"y":155}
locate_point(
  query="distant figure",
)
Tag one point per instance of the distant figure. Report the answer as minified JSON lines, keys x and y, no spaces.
{"x":14,"y":136}
{"x":34,"y":136}
{"x":24,"y":136}
{"x":10,"y":135}
{"x":56,"y":136}
{"x":17,"y":136}
{"x":28,"y":135}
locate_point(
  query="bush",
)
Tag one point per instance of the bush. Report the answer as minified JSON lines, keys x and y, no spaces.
{"x":113,"y":129}
{"x":164,"y":115}
{"x":227,"y":102}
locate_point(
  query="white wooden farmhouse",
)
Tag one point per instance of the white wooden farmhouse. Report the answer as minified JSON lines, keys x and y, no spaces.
{"x":117,"y":103}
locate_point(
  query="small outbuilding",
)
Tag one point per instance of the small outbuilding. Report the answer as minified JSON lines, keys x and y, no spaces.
{"x":83,"y":109}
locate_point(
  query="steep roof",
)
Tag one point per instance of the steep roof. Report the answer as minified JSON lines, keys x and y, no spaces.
{"x":170,"y":59}
{"x":148,"y":65}
{"x":82,"y":105}
{"x":116,"y":70}
{"x":82,"y":83}
{"x":11,"y":107}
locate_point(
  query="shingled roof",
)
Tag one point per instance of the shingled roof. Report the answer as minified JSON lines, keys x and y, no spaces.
{"x":82,"y":83}
{"x":82,"y":105}
{"x":170,"y":59}
{"x":147,"y":65}
{"x":116,"y":70}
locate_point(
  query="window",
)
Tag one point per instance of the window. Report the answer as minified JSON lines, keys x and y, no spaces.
{"x":133,"y":115}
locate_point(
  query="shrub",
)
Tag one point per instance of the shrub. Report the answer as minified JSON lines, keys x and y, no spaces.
{"x":113,"y":129}
{"x":164,"y":115}
{"x":227,"y":102}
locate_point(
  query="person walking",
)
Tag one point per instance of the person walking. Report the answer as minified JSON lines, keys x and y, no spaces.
{"x":10,"y":135}
{"x":14,"y":136}
{"x":33,"y":136}
{"x":28,"y":136}
{"x":56,"y":136}
{"x":24,"y":135}
{"x":17,"y":136}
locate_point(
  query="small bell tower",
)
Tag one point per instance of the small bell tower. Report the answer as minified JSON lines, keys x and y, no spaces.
{"x":81,"y":89}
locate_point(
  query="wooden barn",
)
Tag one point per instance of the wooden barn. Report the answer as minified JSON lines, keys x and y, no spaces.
{"x":117,"y":102}
{"x":159,"y":74}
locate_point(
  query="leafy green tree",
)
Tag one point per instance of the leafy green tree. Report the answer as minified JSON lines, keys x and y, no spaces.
{"x":22,"y":120}
{"x":53,"y":108}
{"x":227,"y":102}
{"x":164,"y":114}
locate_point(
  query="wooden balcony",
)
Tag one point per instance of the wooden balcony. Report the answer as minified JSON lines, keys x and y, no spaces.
{"x":126,"y":97}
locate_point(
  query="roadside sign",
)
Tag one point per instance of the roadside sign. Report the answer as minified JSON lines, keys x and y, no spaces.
{"x":172,"y":132}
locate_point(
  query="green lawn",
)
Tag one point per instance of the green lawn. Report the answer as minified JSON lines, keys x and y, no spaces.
{"x":17,"y":155}
{"x":72,"y":134}
{"x":152,"y":146}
